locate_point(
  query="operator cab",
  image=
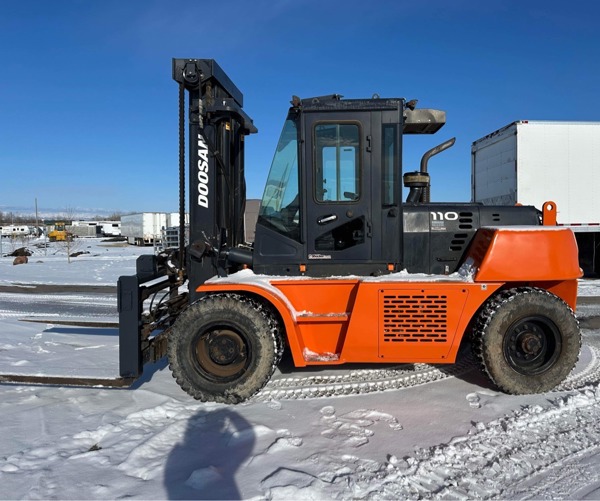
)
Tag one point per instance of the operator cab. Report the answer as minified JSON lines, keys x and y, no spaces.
{"x":332,"y":201}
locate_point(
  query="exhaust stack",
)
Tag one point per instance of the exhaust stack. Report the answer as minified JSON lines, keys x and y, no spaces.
{"x":419,"y":181}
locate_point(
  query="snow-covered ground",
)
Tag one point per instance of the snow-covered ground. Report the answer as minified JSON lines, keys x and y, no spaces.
{"x":359,"y":432}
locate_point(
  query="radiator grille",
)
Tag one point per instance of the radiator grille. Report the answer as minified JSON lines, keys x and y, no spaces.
{"x":419,"y":318}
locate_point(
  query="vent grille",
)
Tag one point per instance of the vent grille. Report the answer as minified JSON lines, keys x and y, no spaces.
{"x":465,"y":221}
{"x":421,"y":318}
{"x":459,"y":241}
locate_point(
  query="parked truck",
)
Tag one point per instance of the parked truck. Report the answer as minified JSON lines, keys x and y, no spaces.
{"x":528,"y":162}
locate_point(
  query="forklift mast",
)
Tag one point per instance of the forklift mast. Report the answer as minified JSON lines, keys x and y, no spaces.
{"x":217,"y":198}
{"x":217,"y":191}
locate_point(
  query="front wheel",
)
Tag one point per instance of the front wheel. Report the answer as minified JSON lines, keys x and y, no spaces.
{"x":223,"y":348}
{"x":527,"y":340}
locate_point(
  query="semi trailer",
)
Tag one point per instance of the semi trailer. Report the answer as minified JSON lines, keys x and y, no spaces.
{"x":146,"y":228}
{"x":530,"y":161}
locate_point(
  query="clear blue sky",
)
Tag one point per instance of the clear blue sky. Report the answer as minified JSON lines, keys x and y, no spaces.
{"x":88,"y":110}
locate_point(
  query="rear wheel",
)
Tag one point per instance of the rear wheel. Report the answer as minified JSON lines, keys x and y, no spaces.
{"x":527,"y":340}
{"x":223,"y":348}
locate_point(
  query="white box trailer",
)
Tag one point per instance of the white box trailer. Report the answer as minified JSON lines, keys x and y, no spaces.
{"x":110,"y":228}
{"x":170,"y":235}
{"x":173,"y":219}
{"x":143,"y":228}
{"x":531,"y":162}
{"x":15,"y":230}
{"x":96,"y":228}
{"x":83,"y":228}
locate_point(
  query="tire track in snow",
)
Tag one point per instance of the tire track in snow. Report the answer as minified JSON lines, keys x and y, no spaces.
{"x":575,"y":477}
{"x":53,"y":305}
{"x":589,"y":375}
{"x":534,"y":446}
{"x":508,"y":452}
{"x":362,"y":381}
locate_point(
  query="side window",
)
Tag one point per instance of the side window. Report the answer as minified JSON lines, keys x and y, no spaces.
{"x":337,"y":162}
{"x":280,"y":206}
{"x":388,"y":160}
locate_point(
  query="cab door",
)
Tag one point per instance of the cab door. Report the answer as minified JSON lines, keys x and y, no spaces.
{"x":338,"y":154}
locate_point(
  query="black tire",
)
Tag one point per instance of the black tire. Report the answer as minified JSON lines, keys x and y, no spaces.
{"x":527,"y":340}
{"x":223,"y":348}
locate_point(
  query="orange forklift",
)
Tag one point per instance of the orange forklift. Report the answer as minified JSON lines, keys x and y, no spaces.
{"x":343,"y":268}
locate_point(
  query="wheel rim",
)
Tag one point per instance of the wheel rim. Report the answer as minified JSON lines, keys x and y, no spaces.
{"x":532,"y":345}
{"x":221,"y":354}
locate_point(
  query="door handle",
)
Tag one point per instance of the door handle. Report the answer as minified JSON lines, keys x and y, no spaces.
{"x":327,"y":219}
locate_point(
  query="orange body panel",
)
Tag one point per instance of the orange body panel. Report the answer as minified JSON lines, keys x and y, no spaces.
{"x":411,"y":321}
{"x":566,"y":290}
{"x":369,"y":320}
{"x":402,"y":318}
{"x":538,"y":256}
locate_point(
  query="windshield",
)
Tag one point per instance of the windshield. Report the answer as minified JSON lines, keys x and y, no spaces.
{"x":280,"y":203}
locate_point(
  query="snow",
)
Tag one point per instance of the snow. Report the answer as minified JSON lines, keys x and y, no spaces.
{"x":103,"y":265}
{"x":311,"y":356}
{"x":247,"y":276}
{"x":344,"y":432}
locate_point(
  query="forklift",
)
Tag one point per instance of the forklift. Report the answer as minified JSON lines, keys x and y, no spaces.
{"x":342,"y":269}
